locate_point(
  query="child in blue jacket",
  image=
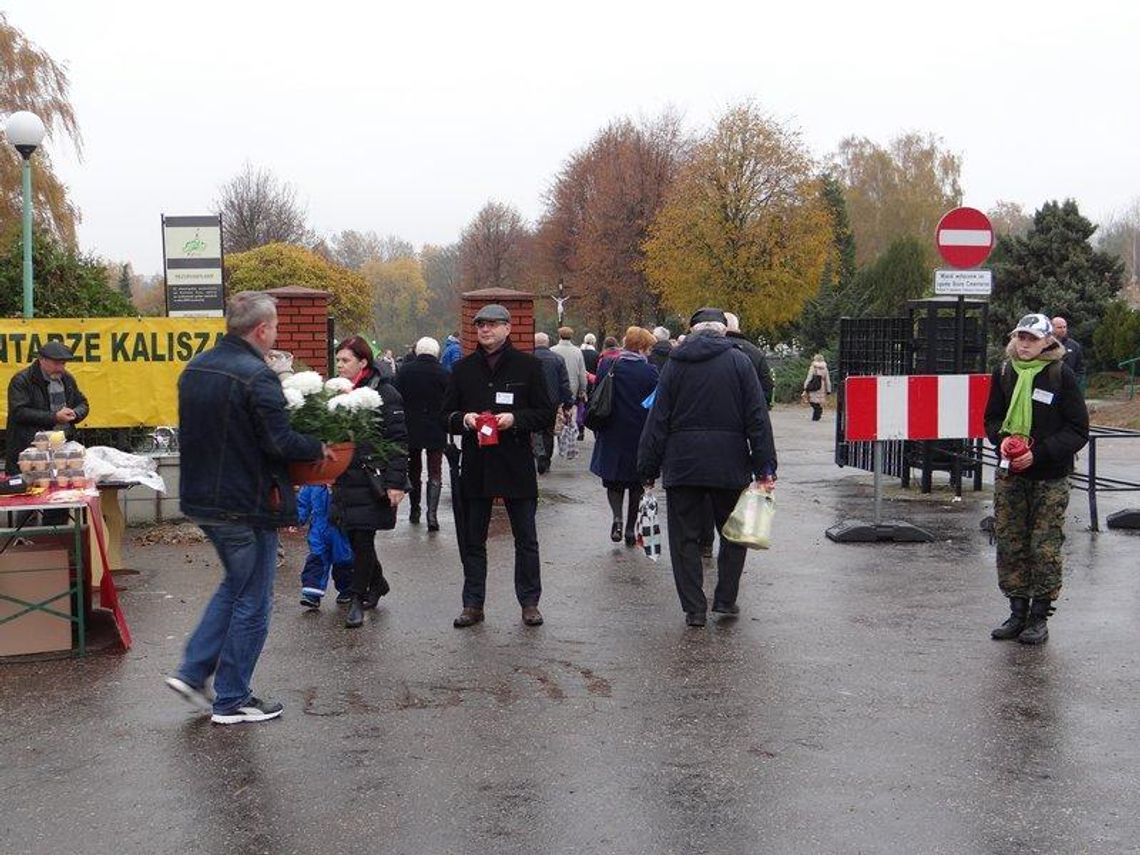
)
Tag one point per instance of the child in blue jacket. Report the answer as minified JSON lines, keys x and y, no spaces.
{"x":328,"y":548}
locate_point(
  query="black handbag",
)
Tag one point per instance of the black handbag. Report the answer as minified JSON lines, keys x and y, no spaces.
{"x":814,"y":384}
{"x":601,"y":406}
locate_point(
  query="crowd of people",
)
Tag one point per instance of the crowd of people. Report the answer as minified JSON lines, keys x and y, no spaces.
{"x":690,"y":413}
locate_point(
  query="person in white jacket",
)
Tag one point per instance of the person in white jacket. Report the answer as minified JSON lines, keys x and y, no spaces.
{"x":817,"y":390}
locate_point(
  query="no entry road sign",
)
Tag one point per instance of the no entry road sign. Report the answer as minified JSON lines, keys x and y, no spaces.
{"x":964,"y":237}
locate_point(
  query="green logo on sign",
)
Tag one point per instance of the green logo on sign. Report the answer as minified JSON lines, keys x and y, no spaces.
{"x":194,"y":246}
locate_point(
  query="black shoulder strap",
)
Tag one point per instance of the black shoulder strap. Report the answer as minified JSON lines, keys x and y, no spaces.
{"x":1007,"y":379}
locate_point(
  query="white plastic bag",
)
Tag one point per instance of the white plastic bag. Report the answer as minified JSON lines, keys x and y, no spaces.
{"x":750,"y":523}
{"x":103,"y":463}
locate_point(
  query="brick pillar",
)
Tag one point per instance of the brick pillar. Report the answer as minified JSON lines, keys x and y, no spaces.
{"x":302,"y":325}
{"x":519,"y":303}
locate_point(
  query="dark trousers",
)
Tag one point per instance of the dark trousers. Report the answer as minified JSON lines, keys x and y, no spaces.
{"x":528,"y":584}
{"x":366,"y":569}
{"x":315,"y":575}
{"x":708,"y":524}
{"x":816,"y":412}
{"x":685,"y":515}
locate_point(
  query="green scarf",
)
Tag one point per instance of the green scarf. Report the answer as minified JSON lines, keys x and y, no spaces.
{"x":1019,"y":416}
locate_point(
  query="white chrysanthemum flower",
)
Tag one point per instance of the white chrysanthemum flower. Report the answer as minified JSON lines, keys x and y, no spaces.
{"x":305,"y":382}
{"x":364,"y":399}
{"x":338,"y":385}
{"x":293,"y":398}
{"x":335,"y":403}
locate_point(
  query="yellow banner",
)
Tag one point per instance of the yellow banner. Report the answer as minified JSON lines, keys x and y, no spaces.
{"x":127,"y":367}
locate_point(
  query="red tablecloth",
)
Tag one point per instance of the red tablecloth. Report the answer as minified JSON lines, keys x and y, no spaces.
{"x":73,"y":500}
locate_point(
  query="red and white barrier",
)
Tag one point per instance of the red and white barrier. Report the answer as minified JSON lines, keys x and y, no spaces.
{"x":920,"y":406}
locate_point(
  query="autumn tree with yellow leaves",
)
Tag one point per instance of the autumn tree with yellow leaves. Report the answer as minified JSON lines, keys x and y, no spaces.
{"x":744,"y":227}
{"x":276,"y":265}
{"x":400,"y":300}
{"x":900,"y":190}
{"x":31,"y":80}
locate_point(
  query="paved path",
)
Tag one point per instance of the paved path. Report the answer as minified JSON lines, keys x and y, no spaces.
{"x":858,"y":705}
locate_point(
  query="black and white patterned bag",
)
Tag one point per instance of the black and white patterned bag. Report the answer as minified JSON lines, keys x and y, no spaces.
{"x":648,"y":529}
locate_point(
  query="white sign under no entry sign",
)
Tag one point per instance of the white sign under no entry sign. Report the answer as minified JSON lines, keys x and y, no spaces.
{"x":971,"y":283}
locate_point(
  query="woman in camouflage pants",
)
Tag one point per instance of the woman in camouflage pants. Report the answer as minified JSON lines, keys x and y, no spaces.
{"x":1037,"y":418}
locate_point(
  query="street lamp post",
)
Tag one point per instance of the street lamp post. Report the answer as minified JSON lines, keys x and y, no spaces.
{"x":25,"y":131}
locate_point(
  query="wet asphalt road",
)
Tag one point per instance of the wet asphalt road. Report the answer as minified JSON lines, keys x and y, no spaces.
{"x":857,"y":705}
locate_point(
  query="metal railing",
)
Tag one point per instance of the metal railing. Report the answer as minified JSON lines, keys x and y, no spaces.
{"x":1091,"y":480}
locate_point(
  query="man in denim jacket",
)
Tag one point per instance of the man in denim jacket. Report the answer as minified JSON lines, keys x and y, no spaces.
{"x":236,"y":440}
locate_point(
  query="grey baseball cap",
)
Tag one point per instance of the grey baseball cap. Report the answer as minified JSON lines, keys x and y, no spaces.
{"x":57,"y":350}
{"x":493,"y":312}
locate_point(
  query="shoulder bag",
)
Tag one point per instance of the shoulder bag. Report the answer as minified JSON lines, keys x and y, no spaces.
{"x":601,"y":407}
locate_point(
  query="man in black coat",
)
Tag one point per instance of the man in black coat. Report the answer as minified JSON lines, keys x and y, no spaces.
{"x":558,"y":387}
{"x":498,"y":379}
{"x":659,"y":354}
{"x":43,"y":396}
{"x":709,"y":436}
{"x":755,"y":355}
{"x":422,"y":381}
{"x":1074,"y":352}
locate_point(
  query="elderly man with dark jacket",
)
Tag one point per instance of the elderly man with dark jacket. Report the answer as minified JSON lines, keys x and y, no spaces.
{"x":236,"y":441}
{"x":707,"y":436}
{"x":558,"y":386}
{"x":43,"y":396}
{"x":509,"y":384}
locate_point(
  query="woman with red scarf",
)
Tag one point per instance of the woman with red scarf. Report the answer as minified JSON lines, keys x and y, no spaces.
{"x":357,"y":508}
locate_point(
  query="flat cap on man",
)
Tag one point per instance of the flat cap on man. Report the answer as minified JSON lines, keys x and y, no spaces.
{"x":57,"y":350}
{"x":493,"y":312}
{"x":707,"y":314}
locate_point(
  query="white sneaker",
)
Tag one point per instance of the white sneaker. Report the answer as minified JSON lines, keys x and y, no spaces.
{"x":196,"y":697}
{"x":254,"y":709}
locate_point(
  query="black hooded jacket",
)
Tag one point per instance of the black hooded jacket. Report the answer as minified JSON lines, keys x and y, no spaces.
{"x":1060,"y":418}
{"x":709,"y":425}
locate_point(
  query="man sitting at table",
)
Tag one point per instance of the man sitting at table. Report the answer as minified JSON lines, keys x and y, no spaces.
{"x":44,"y":396}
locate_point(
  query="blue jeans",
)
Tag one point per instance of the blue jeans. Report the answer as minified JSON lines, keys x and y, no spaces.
{"x":233,"y":628}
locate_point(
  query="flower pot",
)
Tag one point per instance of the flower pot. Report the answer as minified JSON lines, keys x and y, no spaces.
{"x":323,"y":471}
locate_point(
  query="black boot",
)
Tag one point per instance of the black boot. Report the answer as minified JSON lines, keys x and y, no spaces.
{"x":355,"y":615}
{"x":433,"y":491}
{"x":377,"y":588}
{"x":1036,"y":630}
{"x":1015,"y":623}
{"x":414,"y":503}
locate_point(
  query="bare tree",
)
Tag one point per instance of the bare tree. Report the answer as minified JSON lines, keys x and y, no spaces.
{"x":494,"y":249}
{"x":257,"y":208}
{"x":441,"y":270}
{"x":353,"y":249}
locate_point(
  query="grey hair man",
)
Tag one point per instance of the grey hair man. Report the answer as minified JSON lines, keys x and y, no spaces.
{"x":575,"y":362}
{"x":236,"y":441}
{"x":707,"y":436}
{"x":558,"y":387}
{"x":660,"y":351}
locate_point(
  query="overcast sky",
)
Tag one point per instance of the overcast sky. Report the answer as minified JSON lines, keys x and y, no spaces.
{"x":406,"y":118}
